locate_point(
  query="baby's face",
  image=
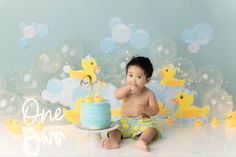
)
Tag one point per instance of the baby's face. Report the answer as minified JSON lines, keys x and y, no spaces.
{"x":136,"y":75}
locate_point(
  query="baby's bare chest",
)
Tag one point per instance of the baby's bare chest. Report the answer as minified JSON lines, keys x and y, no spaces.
{"x":137,"y":100}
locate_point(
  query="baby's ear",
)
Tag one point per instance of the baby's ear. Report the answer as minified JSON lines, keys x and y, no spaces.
{"x":148,"y":79}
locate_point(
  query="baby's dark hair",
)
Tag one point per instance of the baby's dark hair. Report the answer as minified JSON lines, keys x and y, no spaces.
{"x":142,"y":62}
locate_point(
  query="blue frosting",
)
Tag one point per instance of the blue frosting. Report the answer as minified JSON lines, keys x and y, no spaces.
{"x":95,"y":115}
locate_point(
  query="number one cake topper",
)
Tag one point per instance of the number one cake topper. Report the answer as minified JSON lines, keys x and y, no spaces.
{"x":87,"y":82}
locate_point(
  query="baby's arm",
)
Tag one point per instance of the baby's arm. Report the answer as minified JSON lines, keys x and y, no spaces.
{"x":122,"y":92}
{"x":152,"y":108}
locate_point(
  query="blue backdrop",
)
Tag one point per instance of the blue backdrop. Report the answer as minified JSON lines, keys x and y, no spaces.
{"x":86,"y":21}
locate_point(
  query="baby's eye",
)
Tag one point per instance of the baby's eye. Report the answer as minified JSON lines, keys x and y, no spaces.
{"x":130,"y":75}
{"x":139,"y":77}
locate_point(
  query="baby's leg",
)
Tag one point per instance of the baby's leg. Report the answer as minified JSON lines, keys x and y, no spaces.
{"x":113,"y":140}
{"x":145,"y":139}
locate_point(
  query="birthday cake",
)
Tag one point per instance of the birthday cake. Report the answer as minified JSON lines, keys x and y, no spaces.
{"x":95,"y":113}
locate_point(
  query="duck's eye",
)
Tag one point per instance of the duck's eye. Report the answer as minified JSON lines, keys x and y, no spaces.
{"x":91,"y":63}
{"x":181,"y":97}
{"x":166,"y":70}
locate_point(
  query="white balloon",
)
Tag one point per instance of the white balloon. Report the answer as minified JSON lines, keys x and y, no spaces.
{"x":121,"y":33}
{"x":194,"y":47}
{"x":29,"y":31}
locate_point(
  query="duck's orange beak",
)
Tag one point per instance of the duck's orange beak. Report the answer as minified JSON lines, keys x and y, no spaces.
{"x":161,"y":73}
{"x":175,"y":101}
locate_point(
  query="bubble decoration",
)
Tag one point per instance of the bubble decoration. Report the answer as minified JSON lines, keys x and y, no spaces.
{"x":24,"y":42}
{"x":113,"y":22}
{"x":107,"y":45}
{"x":220,"y":103}
{"x":29,"y":31}
{"x":194,"y":47}
{"x":10,"y":104}
{"x":71,"y":52}
{"x":140,"y":39}
{"x":209,"y":78}
{"x":188,"y":36}
{"x":29,"y":81}
{"x":42,"y":30}
{"x":49,"y":62}
{"x":164,"y":49}
{"x":204,"y":33}
{"x":121,"y":33}
{"x":185,"y":70}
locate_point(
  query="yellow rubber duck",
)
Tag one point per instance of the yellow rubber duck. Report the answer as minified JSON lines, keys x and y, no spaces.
{"x":88,"y":99}
{"x":97,"y":98}
{"x":198,"y":123}
{"x":214,"y":121}
{"x":169,"y":120}
{"x":13,"y":125}
{"x":186,"y":110}
{"x":230,"y":119}
{"x":89,"y":66}
{"x":168,"y":79}
{"x":162,"y":109}
{"x":73,"y":115}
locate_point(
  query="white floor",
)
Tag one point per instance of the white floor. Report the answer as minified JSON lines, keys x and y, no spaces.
{"x":66,"y":140}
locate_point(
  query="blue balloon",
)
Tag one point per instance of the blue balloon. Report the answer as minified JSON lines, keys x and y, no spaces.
{"x":24,"y":42}
{"x":204,"y":33}
{"x":188,"y":36}
{"x":79,"y":92}
{"x":42,"y":31}
{"x":113,"y":22}
{"x":35,"y":25}
{"x":54,"y":86}
{"x":140,"y":39}
{"x":107,"y":45}
{"x":21,"y":26}
{"x":133,"y":27}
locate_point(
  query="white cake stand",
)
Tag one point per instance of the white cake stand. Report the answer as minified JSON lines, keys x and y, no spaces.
{"x":94,"y":137}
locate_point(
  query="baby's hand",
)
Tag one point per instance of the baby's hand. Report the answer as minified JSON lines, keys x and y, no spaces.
{"x":134,"y":89}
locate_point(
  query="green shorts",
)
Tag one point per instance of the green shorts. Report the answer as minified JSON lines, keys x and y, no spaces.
{"x":134,"y":126}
